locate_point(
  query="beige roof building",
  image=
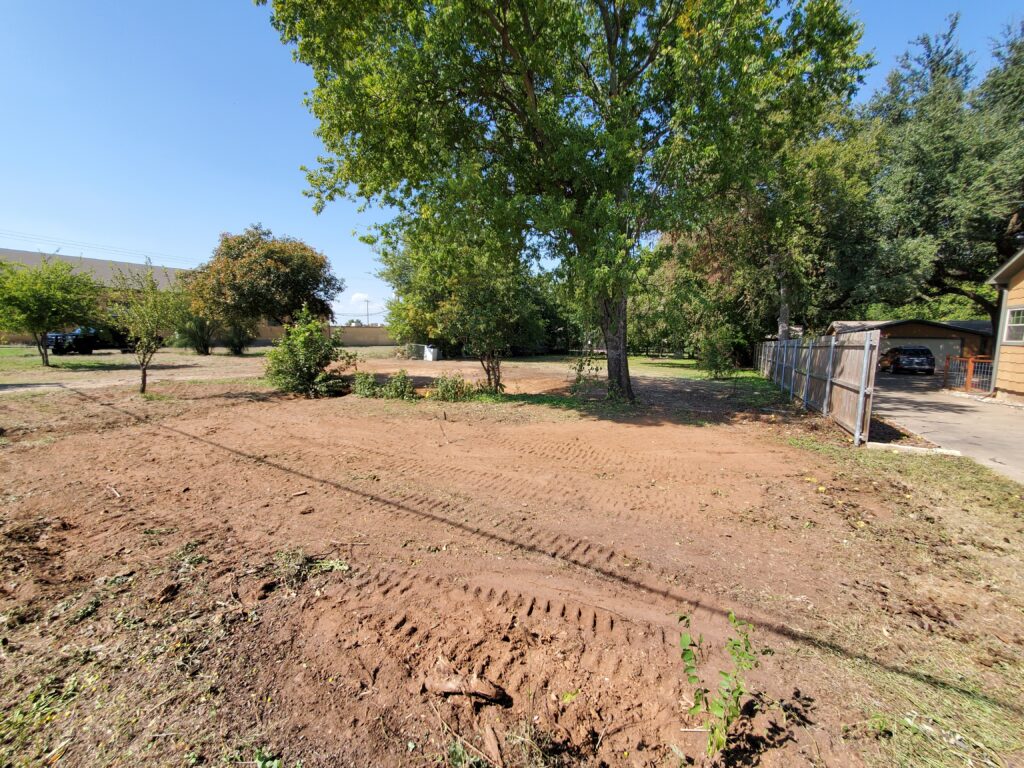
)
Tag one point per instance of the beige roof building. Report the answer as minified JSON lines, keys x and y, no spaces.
{"x":102,"y":270}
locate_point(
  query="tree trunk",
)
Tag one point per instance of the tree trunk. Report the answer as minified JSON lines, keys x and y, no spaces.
{"x":492,"y":369}
{"x":41,"y":347}
{"x":613,"y":328}
{"x":142,"y":383}
{"x":783,"y":313}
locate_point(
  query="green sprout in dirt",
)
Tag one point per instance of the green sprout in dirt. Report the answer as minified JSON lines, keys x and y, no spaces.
{"x":723,"y":706}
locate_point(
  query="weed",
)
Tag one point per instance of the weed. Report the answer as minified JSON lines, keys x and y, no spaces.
{"x":451,"y":388}
{"x":365,"y":385}
{"x":723,"y":706}
{"x":398,"y":387}
{"x":457,"y":756}
{"x":188,"y":558}
{"x":586,"y":373}
{"x":155,"y":396}
{"x":87,"y":610}
{"x":22,"y":726}
{"x":293,"y":567}
{"x":264,"y":759}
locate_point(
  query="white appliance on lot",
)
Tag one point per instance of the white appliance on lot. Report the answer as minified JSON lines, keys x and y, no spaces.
{"x":939,"y":347}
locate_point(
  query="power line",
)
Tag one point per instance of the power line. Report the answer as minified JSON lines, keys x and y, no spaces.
{"x":360,"y":314}
{"x":113,"y":250}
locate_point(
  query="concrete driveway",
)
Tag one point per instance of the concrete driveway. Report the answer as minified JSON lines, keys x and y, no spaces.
{"x":990,"y":433}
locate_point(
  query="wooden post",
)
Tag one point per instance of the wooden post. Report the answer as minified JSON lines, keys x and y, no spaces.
{"x":826,"y":406}
{"x":862,"y":392}
{"x":807,"y":371}
{"x":792,"y":366}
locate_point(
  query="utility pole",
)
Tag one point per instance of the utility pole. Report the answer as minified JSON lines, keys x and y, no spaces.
{"x":367,"y":311}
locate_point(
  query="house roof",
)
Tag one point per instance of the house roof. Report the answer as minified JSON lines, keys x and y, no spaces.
{"x":102,"y":270}
{"x":979,"y":327}
{"x":1004,"y":273}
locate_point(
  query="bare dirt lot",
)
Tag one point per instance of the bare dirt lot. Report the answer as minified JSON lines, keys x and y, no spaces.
{"x":218,"y":573}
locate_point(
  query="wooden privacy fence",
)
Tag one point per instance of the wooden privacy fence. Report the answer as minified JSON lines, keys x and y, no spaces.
{"x":831,"y":374}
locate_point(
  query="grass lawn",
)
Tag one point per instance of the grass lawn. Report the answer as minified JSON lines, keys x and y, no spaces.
{"x":14,"y":359}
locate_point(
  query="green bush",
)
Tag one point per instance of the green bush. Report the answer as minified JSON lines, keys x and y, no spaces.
{"x":451,"y":388}
{"x":238,"y":337}
{"x":300,"y":359}
{"x":398,"y":387}
{"x":365,"y":385}
{"x":716,"y":350}
{"x":195,"y":332}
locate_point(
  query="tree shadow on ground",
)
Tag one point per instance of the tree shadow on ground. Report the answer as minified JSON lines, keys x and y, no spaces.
{"x":660,"y":400}
{"x":127,"y":365}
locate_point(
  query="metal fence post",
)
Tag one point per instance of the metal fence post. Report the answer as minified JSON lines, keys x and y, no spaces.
{"x":807,"y":371}
{"x":862,"y":392}
{"x":826,"y":406}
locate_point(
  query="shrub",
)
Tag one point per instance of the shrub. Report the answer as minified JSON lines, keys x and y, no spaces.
{"x":300,"y":359}
{"x":398,"y":387}
{"x":195,"y":332}
{"x":365,"y":385}
{"x":238,"y":337}
{"x":716,"y":345}
{"x":451,"y":388}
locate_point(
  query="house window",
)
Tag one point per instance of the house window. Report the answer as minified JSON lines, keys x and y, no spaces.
{"x":1015,"y":325}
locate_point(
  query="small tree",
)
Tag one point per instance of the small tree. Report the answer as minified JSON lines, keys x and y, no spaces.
{"x":300,"y":360}
{"x":47,"y":297}
{"x":145,"y":312}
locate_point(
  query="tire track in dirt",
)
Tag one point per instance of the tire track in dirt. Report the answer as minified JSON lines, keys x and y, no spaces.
{"x":536,"y":645}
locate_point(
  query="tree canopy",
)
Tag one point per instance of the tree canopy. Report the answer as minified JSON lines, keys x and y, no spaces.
{"x":599,"y":122}
{"x":254,"y":276}
{"x":950,"y":196}
{"x":461,"y":280}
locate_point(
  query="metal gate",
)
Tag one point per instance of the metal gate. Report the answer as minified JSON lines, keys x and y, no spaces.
{"x":971,"y":374}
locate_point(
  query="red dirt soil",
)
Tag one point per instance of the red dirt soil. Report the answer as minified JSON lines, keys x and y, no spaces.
{"x":542,"y":552}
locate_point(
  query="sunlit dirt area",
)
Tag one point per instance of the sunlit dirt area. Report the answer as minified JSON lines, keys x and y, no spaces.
{"x":215,"y":572}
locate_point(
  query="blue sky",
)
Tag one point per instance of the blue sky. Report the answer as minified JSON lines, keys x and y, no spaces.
{"x":147,"y":128}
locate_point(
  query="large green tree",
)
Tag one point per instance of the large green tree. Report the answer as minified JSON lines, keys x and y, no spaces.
{"x":604,"y":121}
{"x":254,"y":276}
{"x":48,"y":297}
{"x":951,"y":190}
